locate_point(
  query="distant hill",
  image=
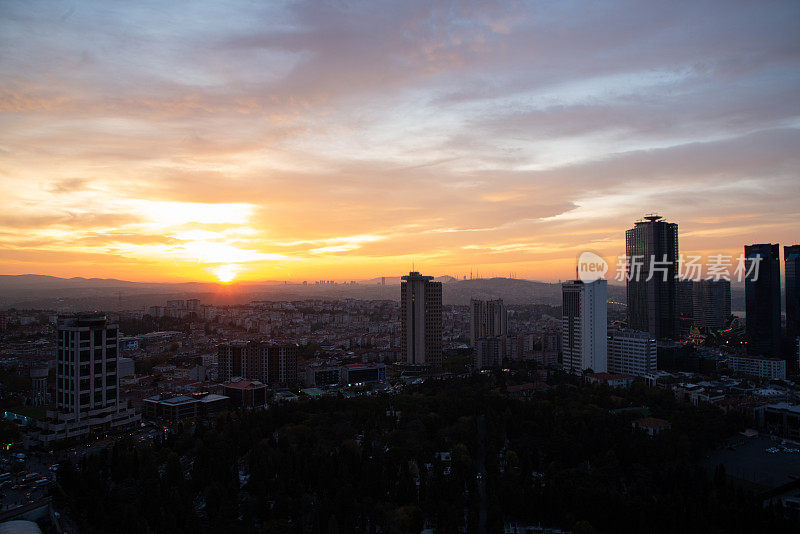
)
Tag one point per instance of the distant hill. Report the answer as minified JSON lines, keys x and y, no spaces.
{"x":75,"y":294}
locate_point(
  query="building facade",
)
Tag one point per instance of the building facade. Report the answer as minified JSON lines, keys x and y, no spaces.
{"x":322,"y":376}
{"x":631,"y":352}
{"x":791,"y":262}
{"x":584,"y":326}
{"x":247,"y":394}
{"x":87,"y":383}
{"x":769,"y":368}
{"x":763,"y":300}
{"x":488,"y":332}
{"x":269,"y":363}
{"x":362,"y":373}
{"x":489,"y":352}
{"x":712,"y":303}
{"x":421,"y":320}
{"x":652,"y":286}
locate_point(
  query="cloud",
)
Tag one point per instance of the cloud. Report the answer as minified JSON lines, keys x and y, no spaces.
{"x":334,"y":137}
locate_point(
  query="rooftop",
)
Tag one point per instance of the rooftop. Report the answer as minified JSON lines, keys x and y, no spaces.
{"x":244,"y":384}
{"x":652,"y":422}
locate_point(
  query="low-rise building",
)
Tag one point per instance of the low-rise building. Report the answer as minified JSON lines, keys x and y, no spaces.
{"x":322,"y":375}
{"x":246,"y":394}
{"x":784,"y":419}
{"x":175,"y":408}
{"x":769,"y":368}
{"x":610,"y":379}
{"x":652,"y":425}
{"x":362,"y":373}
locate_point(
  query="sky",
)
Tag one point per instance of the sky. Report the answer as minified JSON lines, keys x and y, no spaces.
{"x":172,"y":141}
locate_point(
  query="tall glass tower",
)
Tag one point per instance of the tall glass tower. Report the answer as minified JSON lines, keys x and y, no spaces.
{"x":652,"y":250}
{"x":763,"y":300}
{"x":791,"y":262}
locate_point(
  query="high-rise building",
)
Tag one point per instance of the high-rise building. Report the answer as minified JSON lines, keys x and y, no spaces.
{"x":584,"y":326}
{"x":791,"y":262}
{"x":87,"y":383}
{"x":232,"y":358}
{"x":421,"y":320}
{"x":268,"y":363}
{"x":489,"y":352}
{"x":686,"y":298}
{"x":281,"y":363}
{"x":712,"y":303}
{"x":763,"y":299}
{"x":631,"y":352}
{"x":488,"y":320}
{"x":652,"y":250}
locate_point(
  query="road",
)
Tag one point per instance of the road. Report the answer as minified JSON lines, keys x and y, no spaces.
{"x":18,"y":490}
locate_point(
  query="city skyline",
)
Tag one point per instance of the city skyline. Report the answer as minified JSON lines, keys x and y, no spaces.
{"x":304,"y":141}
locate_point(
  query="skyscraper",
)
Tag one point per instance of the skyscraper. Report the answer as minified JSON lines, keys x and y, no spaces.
{"x":87,"y":382}
{"x":686,"y":290}
{"x":488,"y":332}
{"x":763,"y":300}
{"x":712,"y":303}
{"x":584,"y":326}
{"x":421,"y":319}
{"x":652,"y":288}
{"x":791,"y":262}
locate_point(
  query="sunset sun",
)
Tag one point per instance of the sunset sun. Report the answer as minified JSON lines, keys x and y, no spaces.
{"x":226,"y":273}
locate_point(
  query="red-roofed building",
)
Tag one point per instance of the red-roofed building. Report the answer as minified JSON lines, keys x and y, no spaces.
{"x":652,"y":425}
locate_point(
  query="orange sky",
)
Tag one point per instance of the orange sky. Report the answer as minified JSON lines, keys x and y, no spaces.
{"x":302,"y":142}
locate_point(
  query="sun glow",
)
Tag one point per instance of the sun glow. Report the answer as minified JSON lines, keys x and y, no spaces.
{"x":226,"y":273}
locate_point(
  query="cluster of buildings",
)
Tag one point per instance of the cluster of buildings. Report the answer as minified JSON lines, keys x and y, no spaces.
{"x":659,"y":303}
{"x":202,"y":372}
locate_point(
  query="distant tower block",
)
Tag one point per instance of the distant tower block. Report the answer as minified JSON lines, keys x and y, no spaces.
{"x":39,"y":379}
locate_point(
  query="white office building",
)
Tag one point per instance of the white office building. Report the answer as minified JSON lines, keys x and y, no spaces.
{"x":421,"y":320}
{"x":584,"y":326}
{"x":770,"y":368}
{"x":631,"y":352}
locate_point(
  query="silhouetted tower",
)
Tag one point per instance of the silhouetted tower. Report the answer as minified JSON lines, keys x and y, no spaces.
{"x":763,"y":300}
{"x":653,"y":304}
